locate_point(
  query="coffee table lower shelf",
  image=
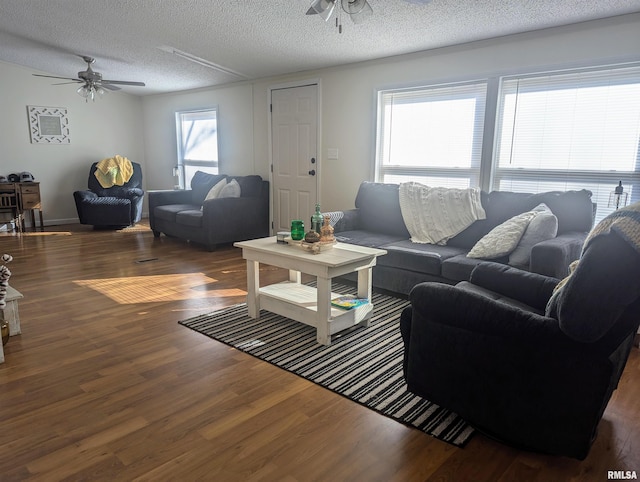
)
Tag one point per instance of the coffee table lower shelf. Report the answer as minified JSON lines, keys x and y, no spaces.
{"x":300,"y":302}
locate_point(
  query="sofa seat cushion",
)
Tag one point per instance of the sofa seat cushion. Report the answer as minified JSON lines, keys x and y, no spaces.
{"x":423,"y":258}
{"x":190,"y":217}
{"x":168,"y":212}
{"x":369,"y":239}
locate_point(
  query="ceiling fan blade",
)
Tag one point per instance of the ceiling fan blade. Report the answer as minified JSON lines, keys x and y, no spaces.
{"x":109,"y":87}
{"x":122,"y":82}
{"x":324,"y":8}
{"x":56,"y":77}
{"x":65,"y":83}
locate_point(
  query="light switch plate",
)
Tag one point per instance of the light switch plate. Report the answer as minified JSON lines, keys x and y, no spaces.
{"x":332,"y":153}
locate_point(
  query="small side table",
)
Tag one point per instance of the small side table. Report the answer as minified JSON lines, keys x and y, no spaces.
{"x":29,"y":201}
{"x":10,"y":314}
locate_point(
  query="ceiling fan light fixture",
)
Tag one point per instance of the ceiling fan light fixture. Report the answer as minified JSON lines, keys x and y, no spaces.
{"x":90,"y":91}
{"x":83,"y":91}
{"x":358,"y":10}
{"x":324,"y":8}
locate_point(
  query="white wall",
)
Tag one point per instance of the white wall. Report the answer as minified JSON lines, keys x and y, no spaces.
{"x":109,"y":126}
{"x":144,"y":129}
{"x":348,"y":98}
{"x":235,"y":124}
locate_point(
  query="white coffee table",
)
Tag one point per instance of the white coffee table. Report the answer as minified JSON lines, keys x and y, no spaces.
{"x":302,"y":303}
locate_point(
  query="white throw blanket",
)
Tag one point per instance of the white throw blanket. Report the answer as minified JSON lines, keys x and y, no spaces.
{"x":436,"y":214}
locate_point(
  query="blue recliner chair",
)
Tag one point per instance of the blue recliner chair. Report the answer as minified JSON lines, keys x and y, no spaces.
{"x":522,"y":359}
{"x":117,"y":206}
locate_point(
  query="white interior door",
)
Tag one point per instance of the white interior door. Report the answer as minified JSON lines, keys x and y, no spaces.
{"x":294,"y":137}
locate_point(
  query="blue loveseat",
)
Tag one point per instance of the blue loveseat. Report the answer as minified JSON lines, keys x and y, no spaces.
{"x":377,"y":222}
{"x":188,"y":215}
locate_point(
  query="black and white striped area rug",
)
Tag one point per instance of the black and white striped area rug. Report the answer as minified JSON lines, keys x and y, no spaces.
{"x":364,"y":365}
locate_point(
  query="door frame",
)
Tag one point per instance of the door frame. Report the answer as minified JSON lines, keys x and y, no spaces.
{"x":292,"y":85}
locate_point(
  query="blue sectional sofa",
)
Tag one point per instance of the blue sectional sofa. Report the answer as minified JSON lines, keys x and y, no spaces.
{"x":377,"y":222}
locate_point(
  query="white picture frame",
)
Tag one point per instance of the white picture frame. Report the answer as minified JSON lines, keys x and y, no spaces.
{"x":48,"y":125}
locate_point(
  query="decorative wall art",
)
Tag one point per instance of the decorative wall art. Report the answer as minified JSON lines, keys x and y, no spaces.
{"x":48,"y":125}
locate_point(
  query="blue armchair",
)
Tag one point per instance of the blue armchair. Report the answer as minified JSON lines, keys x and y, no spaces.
{"x":523,"y":363}
{"x":116,"y":206}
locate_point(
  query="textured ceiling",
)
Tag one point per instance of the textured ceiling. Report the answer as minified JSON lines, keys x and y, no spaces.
{"x":254,"y":38}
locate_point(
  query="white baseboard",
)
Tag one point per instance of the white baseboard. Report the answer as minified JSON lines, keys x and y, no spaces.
{"x":57,"y":222}
{"x":54,"y":222}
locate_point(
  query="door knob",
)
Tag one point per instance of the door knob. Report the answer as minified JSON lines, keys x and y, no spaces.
{"x":312,"y":172}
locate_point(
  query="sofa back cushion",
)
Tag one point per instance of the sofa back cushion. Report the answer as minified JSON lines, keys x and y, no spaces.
{"x":379,"y":209}
{"x":250,"y":186}
{"x":573,"y":209}
{"x":468,"y":238}
{"x":201,"y":184}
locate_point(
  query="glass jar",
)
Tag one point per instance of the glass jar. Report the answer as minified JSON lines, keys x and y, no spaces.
{"x":316,"y":220}
{"x":297,"y":230}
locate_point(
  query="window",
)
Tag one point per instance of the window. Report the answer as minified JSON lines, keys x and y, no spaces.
{"x":431,"y":135}
{"x":567,"y":130}
{"x":197,"y":143}
{"x":575,"y":130}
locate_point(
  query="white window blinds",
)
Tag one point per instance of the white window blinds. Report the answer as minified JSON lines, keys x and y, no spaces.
{"x":569,"y":130}
{"x":431,"y":134}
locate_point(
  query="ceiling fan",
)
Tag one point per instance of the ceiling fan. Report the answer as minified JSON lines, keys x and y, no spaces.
{"x":357,"y":10}
{"x":93,"y":84}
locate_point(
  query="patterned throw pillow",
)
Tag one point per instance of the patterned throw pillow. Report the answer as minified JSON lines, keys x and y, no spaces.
{"x":502,"y":239}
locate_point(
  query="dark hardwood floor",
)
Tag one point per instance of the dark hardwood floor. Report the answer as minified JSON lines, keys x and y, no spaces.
{"x":103,"y":384}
